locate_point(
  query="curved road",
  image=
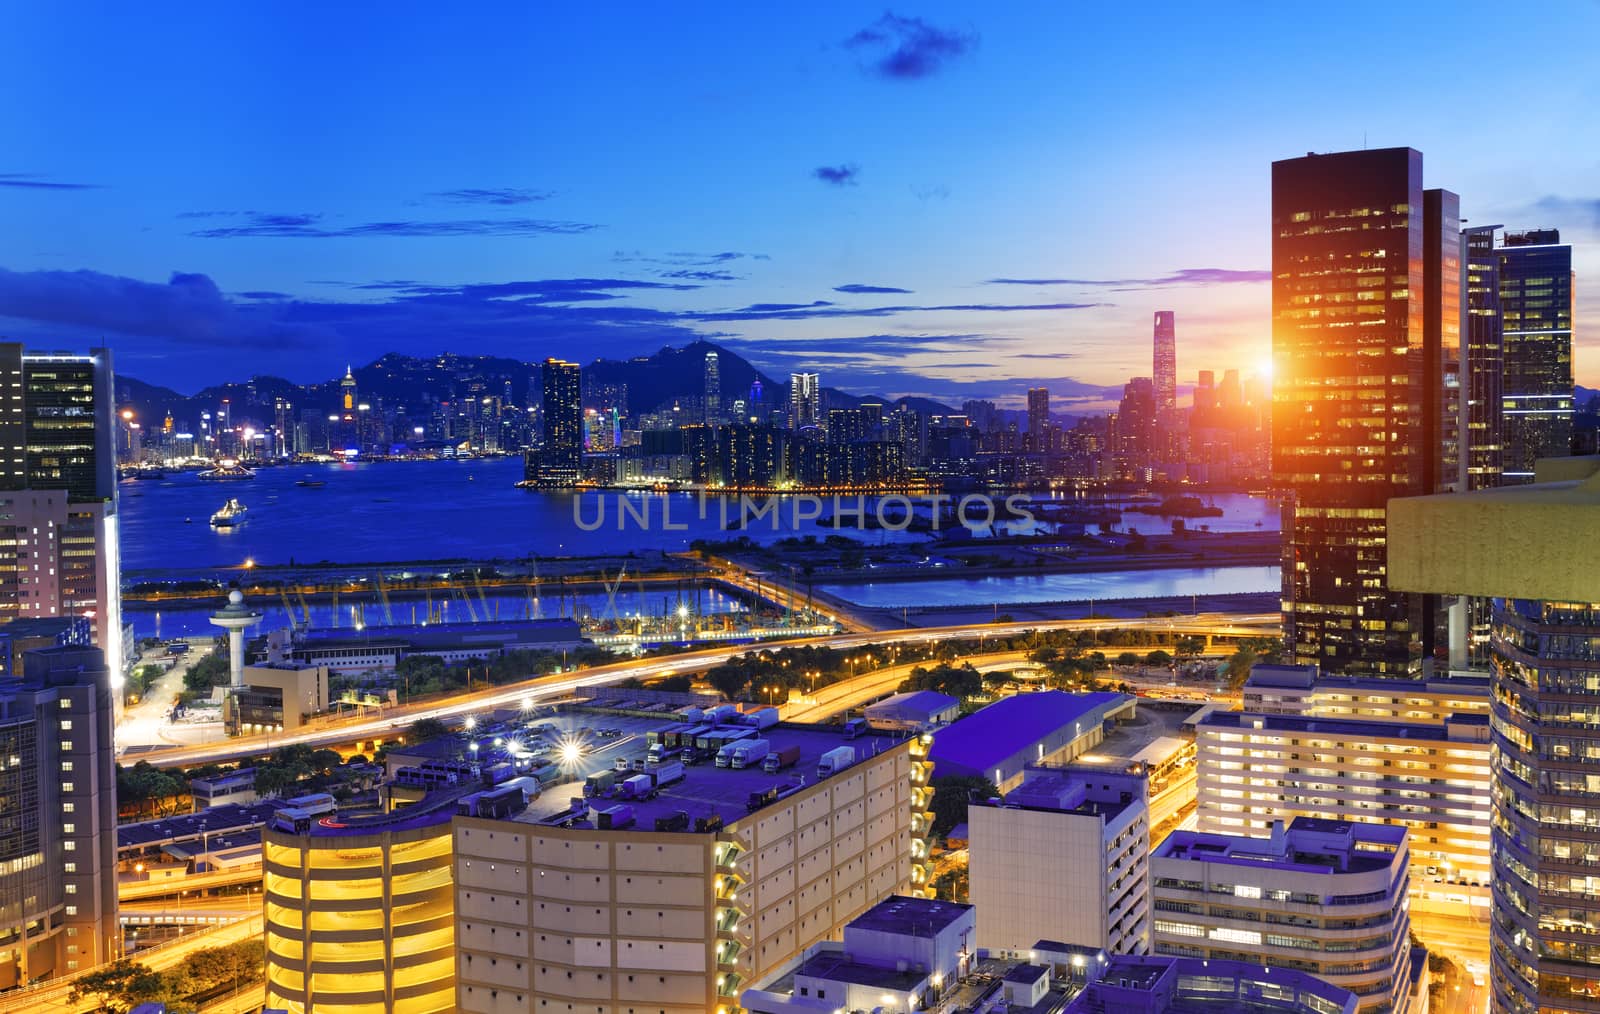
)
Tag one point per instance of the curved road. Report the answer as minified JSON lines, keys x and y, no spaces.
{"x":528,"y":692}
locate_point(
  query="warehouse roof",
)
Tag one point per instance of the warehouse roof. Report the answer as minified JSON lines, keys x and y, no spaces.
{"x":996,"y":733}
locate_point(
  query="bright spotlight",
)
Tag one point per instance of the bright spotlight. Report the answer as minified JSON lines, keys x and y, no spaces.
{"x":571,"y":753}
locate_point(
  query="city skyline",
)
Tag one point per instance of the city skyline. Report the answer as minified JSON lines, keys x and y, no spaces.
{"x":878,"y":241}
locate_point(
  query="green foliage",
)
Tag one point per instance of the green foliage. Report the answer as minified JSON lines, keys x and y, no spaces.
{"x":119,"y":986}
{"x":1249,"y":652}
{"x":680,"y":683}
{"x":146,"y":790}
{"x":122,"y":985}
{"x":207,"y":671}
{"x":1127,"y":658}
{"x":959,"y":682}
{"x":1158,"y":658}
{"x":951,"y":796}
{"x":424,"y":729}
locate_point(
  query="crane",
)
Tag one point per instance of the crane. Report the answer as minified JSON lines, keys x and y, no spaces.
{"x":383,"y":597}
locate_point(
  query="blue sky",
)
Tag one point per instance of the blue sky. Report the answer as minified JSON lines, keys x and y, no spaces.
{"x":279,"y":189}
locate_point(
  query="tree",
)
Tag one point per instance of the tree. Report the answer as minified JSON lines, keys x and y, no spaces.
{"x":120,"y":986}
{"x":207,"y":672}
{"x":1045,"y":655}
{"x":1190,"y":647}
{"x":1158,"y":658}
{"x":952,"y":794}
{"x":1127,"y":658}
{"x":728,"y":681}
{"x":424,"y":729}
{"x":676,"y":684}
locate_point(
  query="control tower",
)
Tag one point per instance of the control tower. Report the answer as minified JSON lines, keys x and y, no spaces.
{"x":234,"y":618}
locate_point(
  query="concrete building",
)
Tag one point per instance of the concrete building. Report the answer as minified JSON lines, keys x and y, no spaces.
{"x":360,"y":911}
{"x":1164,"y":985}
{"x":901,"y":954}
{"x":275,"y":697}
{"x":675,"y":897}
{"x":58,"y":817}
{"x":916,"y":711}
{"x":1304,"y":690}
{"x":1324,"y":897}
{"x":235,"y":787}
{"x":382,"y":648}
{"x":1526,"y":547}
{"x":1433,"y":780}
{"x":1063,"y":857}
{"x":19,"y":637}
{"x":1000,"y":742}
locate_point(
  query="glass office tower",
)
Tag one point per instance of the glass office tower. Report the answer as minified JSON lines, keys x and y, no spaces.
{"x":1536,"y":306}
{"x":1353,"y":410}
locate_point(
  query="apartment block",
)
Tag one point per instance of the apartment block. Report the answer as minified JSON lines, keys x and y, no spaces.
{"x":1324,"y":897}
{"x":1305,"y":690}
{"x":1064,"y":856}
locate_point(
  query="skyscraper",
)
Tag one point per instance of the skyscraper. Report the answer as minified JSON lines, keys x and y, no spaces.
{"x":1352,"y":375}
{"x":805,"y":400}
{"x":1482,"y":364}
{"x":1166,"y":361}
{"x":58,"y":817}
{"x":66,"y":506}
{"x":1536,"y":307}
{"x":1038,"y":415}
{"x":1136,"y":426}
{"x":713,"y":389}
{"x":561,"y":458}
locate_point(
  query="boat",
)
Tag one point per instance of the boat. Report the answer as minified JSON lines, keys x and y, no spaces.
{"x":311,"y":483}
{"x":232,"y":513}
{"x":227,"y":470}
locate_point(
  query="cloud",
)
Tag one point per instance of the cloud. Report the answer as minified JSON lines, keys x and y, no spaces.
{"x":262,"y":295}
{"x":1585,"y":209}
{"x":700,"y":275}
{"x":823,"y":309}
{"x":685,"y":258}
{"x":34,"y":181}
{"x":937,"y":192}
{"x":503,"y":196}
{"x":910,"y":48}
{"x":1183,"y":276}
{"x":308,"y":227}
{"x":544,"y":290}
{"x":189,"y":310}
{"x":858,"y":289}
{"x":1044,"y":355}
{"x":837,"y":175}
{"x":209,"y":214}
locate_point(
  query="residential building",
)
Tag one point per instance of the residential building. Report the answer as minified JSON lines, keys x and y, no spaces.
{"x":677,"y":896}
{"x":1162,"y":985}
{"x":1432,"y":779}
{"x":1537,"y":313}
{"x":713,"y":389}
{"x":58,"y":817}
{"x":1001,"y":741}
{"x":1093,"y":823}
{"x":1038,"y":415}
{"x":1516,"y":545}
{"x":61,"y":407}
{"x":1355,"y":373}
{"x":1324,"y":897}
{"x":559,"y":461}
{"x":1303,"y":690}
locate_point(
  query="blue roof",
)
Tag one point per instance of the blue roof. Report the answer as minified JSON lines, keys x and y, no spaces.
{"x":929,"y":701}
{"x":994,"y":734}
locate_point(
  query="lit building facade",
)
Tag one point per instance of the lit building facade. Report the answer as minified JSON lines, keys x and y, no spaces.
{"x":58,"y":812}
{"x":1324,"y":897}
{"x":1063,"y":857}
{"x":559,"y":462}
{"x":805,"y":400}
{"x":1536,"y":310}
{"x":633,"y":919}
{"x":1354,"y":369}
{"x":360,"y":914}
{"x":1482,"y":362}
{"x":1516,"y":545}
{"x":1432,"y":779}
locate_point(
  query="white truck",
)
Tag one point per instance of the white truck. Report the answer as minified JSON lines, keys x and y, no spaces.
{"x":748,"y":753}
{"x":836,"y":760}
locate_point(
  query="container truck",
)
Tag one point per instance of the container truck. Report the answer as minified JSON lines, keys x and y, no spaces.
{"x":614,"y":818}
{"x":721,"y":713}
{"x":666,"y":773}
{"x":638,"y":787}
{"x":759,"y":799}
{"x":677,"y":821}
{"x":855,"y":727}
{"x":836,"y":760}
{"x":725,"y":755}
{"x":780,"y":759}
{"x":748,"y":753}
{"x":600,"y":783}
{"x":763,"y":718}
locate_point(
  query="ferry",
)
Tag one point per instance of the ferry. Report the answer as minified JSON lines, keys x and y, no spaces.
{"x":227,"y":470}
{"x":311,"y":483}
{"x":232,"y":513}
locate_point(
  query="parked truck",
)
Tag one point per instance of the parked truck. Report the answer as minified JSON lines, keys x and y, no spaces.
{"x":763,"y":718}
{"x":666,"y":773}
{"x":836,"y":760}
{"x":614,"y":818}
{"x":779,"y":759}
{"x":721,"y":713}
{"x":855,"y":727}
{"x":638,"y":787}
{"x":600,"y":783}
{"x":677,"y":821}
{"x":748,"y":753}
